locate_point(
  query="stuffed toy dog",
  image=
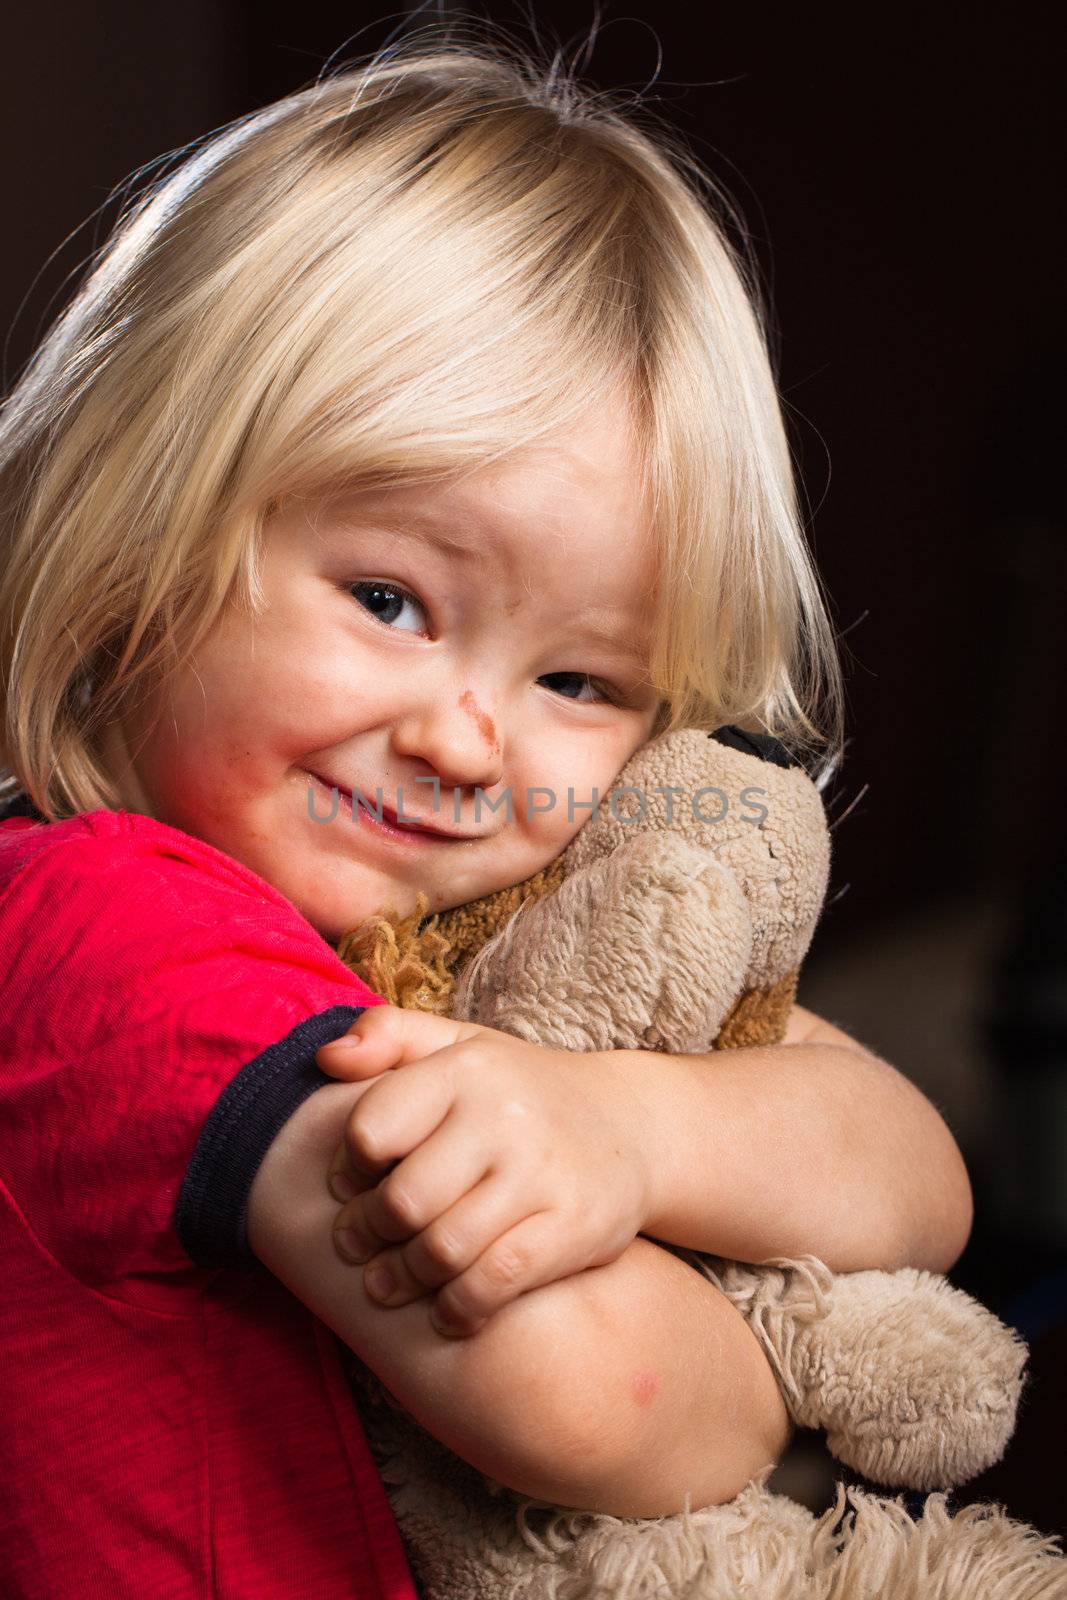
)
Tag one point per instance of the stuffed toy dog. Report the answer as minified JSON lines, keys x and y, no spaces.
{"x":677,"y":920}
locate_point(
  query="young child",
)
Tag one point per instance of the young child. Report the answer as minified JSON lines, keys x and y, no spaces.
{"x":414,"y":439}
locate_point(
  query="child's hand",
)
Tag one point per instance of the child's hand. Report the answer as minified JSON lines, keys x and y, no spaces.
{"x":508,"y":1165}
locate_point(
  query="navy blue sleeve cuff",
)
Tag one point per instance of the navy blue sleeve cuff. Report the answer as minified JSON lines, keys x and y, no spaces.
{"x":210,"y":1215}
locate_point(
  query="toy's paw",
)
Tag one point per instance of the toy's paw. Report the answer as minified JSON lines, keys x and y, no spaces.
{"x":644,"y":949}
{"x":915,"y":1383}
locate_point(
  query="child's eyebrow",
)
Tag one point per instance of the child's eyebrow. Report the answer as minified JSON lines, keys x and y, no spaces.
{"x":614,"y":632}
{"x":423,"y":527}
{"x":616,"y":637}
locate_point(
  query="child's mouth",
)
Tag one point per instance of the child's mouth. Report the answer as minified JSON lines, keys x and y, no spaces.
{"x":388,"y":825}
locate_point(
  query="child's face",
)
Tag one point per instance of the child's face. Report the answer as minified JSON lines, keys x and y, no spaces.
{"x":479,"y":680}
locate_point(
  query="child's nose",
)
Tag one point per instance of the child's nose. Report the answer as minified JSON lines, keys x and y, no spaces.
{"x":463,"y":749}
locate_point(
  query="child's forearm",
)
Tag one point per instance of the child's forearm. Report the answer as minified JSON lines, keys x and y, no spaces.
{"x":797,"y":1149}
{"x":450,"y":1386}
{"x":620,"y":1389}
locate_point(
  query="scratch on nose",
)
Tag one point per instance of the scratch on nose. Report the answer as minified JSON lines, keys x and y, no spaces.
{"x":482,"y":718}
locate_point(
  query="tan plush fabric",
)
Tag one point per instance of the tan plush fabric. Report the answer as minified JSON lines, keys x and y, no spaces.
{"x":684,"y":929}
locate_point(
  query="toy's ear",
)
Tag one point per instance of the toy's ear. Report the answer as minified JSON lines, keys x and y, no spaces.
{"x":761,"y":745}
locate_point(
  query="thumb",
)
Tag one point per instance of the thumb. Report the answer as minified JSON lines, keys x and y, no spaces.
{"x":389,"y":1036}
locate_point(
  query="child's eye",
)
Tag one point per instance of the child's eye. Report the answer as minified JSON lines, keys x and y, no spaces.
{"x":385,"y":601}
{"x":601,"y":691}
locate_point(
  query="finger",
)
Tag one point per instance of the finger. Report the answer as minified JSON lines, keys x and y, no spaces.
{"x":370,"y":1046}
{"x":452,"y":1242}
{"x":523,"y":1258}
{"x":413,"y":1194}
{"x":393,"y":1116}
{"x":343,"y":1181}
{"x":386,"y":1036}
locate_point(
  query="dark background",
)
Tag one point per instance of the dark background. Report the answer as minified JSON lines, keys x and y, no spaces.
{"x":898,"y":172}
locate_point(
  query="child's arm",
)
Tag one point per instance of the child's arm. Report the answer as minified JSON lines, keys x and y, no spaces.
{"x":621,"y":1388}
{"x":815,"y":1146}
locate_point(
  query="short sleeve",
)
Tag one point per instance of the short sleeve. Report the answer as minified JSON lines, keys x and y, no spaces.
{"x":162,"y":1007}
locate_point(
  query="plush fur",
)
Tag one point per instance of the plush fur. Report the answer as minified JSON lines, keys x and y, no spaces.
{"x":669,"y":925}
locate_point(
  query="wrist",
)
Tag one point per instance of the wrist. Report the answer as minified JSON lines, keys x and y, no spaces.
{"x":631,"y":1085}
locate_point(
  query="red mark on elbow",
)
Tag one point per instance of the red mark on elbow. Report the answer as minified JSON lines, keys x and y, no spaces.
{"x":644,"y":1386}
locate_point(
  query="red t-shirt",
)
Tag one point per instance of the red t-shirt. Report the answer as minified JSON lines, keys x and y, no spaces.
{"x":174,"y":1423}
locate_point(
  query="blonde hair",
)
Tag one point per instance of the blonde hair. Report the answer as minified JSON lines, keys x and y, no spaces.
{"x":417,"y":265}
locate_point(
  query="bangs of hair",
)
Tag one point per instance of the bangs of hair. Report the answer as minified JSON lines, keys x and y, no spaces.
{"x":410,"y":270}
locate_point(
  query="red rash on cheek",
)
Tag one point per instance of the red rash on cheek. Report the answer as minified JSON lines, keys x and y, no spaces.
{"x":484,"y":721}
{"x":644,"y":1386}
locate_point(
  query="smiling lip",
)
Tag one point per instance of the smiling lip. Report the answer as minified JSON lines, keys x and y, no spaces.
{"x":368,"y":814}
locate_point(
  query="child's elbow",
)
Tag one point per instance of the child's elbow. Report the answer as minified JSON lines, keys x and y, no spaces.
{"x":960,"y":1221}
{"x":941,"y":1234}
{"x":559,"y":1437}
{"x":538,"y":1403}
{"x":628,"y":1389}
